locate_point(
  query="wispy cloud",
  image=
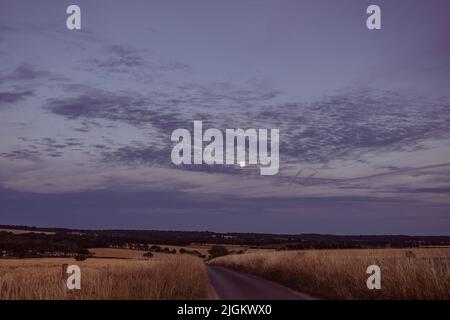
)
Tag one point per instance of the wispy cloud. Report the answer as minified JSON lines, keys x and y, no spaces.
{"x":8,"y":98}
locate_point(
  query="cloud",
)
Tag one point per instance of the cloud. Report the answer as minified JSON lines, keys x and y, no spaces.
{"x":143,"y":65}
{"x":138,"y":153}
{"x":119,"y":57}
{"x":133,"y":109}
{"x":34,"y":149}
{"x":23,"y":154}
{"x":359,"y":120}
{"x":142,"y":154}
{"x":7,"y":98}
{"x":24,"y":72}
{"x":166,"y":109}
{"x":341,"y":126}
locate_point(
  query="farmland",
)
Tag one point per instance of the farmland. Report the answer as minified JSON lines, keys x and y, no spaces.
{"x":133,"y":264}
{"x":341,"y":274}
{"x":168,"y":277}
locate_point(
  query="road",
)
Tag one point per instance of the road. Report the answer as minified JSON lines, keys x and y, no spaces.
{"x":233,"y":285}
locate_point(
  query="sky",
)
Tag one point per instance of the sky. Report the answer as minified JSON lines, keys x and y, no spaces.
{"x":364,"y":115}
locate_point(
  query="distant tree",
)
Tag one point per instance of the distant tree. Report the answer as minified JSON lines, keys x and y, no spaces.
{"x":155,"y":248}
{"x":217,"y":251}
{"x":165,"y":250}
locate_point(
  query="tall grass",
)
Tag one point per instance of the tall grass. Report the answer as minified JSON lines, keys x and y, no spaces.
{"x":341,"y":274}
{"x":175,"y":277}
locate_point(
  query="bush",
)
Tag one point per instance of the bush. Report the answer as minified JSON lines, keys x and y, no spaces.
{"x":81,"y":257}
{"x":192,"y":252}
{"x":155,"y":248}
{"x":167,"y":250}
{"x":218,"y":251}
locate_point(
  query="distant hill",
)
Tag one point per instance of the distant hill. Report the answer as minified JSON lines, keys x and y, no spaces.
{"x":32,"y":241}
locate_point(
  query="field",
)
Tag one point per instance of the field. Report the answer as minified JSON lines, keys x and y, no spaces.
{"x":168,"y":277}
{"x":341,"y":274}
{"x":138,"y":254}
{"x":17,"y":231}
{"x":328,"y":274}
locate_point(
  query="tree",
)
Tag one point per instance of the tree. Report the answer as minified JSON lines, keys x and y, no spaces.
{"x":155,"y":248}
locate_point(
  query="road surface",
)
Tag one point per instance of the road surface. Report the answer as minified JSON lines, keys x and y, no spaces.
{"x":233,"y":285}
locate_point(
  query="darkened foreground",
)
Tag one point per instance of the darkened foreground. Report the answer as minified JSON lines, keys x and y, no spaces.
{"x":21,"y":241}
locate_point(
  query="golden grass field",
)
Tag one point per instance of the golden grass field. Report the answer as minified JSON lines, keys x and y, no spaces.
{"x":17,"y":231}
{"x":137,"y":254}
{"x":341,"y":274}
{"x":119,"y":253}
{"x":168,"y":277}
{"x":329,"y":274}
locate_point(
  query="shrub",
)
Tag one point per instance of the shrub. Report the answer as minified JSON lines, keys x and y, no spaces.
{"x":81,"y":257}
{"x":218,"y":251}
{"x":155,"y":248}
{"x":148,"y":254}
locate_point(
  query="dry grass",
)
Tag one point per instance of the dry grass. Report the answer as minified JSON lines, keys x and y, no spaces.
{"x":139,"y":254}
{"x":117,"y":253}
{"x":130,"y":253}
{"x":341,"y":274}
{"x":174,"y":277}
{"x":203,"y":248}
{"x":17,"y":231}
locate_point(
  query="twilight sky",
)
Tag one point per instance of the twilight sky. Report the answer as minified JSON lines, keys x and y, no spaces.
{"x":364,"y":116}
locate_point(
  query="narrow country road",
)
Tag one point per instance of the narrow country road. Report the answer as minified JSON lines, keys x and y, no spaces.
{"x":233,"y":285}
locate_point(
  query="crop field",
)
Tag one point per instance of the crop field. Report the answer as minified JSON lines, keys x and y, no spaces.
{"x":341,"y":274}
{"x":166,"y":277}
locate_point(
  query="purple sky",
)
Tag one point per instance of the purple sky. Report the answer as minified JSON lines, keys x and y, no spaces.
{"x":364,"y":116}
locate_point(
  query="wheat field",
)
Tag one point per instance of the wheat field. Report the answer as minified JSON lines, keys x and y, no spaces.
{"x":341,"y":274}
{"x":174,"y":277}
